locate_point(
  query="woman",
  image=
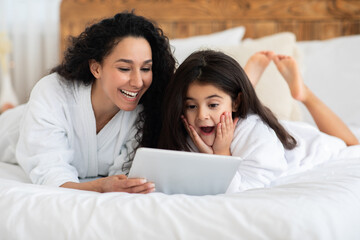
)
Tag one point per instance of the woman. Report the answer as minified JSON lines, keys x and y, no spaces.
{"x":103,"y":101}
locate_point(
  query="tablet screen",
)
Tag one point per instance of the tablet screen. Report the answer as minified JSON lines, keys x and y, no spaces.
{"x":179,"y":172}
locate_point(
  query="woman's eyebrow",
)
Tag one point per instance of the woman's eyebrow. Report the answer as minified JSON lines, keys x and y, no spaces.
{"x":124,"y":60}
{"x":131,"y":61}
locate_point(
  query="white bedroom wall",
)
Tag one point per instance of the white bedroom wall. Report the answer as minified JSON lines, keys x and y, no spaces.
{"x":33,"y":29}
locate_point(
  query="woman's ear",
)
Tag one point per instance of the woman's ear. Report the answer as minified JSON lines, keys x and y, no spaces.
{"x":236,"y":103}
{"x":95,"y":68}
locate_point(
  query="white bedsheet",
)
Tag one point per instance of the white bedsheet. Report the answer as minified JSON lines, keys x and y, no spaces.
{"x":323,"y":203}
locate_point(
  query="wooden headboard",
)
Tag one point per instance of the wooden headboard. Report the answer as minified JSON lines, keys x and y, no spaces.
{"x":308,"y":19}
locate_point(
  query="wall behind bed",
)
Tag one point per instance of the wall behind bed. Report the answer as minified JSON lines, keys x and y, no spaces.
{"x":308,"y":19}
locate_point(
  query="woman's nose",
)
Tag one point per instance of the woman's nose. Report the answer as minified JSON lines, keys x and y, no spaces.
{"x":136,"y":79}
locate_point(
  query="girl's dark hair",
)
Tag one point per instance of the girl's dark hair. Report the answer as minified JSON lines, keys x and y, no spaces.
{"x":222,"y":71}
{"x":98,"y":41}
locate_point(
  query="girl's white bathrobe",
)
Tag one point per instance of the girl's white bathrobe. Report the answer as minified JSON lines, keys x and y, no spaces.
{"x":264,"y":159}
{"x":53,"y":137}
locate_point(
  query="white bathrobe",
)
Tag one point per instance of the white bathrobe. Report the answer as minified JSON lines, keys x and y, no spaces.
{"x":54,"y":135}
{"x":264,"y":159}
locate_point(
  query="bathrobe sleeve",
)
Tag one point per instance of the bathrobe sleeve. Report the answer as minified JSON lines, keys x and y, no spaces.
{"x":44,"y":148}
{"x":262,"y":153}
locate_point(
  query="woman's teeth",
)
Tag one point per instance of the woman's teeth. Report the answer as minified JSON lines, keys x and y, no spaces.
{"x":129,"y":94}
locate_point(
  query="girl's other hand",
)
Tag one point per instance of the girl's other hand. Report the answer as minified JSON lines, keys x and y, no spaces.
{"x":224,"y":134}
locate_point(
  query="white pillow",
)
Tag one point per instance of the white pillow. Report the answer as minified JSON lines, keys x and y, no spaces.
{"x":271,"y":89}
{"x":182,"y":48}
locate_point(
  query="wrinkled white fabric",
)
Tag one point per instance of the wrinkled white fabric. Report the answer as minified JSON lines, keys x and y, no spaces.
{"x":322,"y":203}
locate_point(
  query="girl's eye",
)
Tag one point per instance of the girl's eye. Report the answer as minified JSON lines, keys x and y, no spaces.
{"x":213,"y":105}
{"x":190,"y":107}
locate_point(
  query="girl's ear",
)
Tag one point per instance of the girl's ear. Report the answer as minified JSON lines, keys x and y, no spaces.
{"x":236,"y":103}
{"x":95,"y":68}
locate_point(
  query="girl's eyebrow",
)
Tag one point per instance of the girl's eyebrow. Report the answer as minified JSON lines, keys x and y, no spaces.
{"x":214,"y":96}
{"x":208,"y":97}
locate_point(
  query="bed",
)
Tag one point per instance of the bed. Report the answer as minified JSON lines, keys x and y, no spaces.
{"x":321,"y":203}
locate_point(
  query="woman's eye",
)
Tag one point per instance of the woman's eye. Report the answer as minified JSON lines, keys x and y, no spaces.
{"x":124,"y":69}
{"x":146,"y":69}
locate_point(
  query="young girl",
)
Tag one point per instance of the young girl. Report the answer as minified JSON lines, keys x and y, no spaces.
{"x":211,"y":107}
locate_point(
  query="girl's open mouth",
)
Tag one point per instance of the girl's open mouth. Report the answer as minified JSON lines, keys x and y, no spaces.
{"x":207,"y":130}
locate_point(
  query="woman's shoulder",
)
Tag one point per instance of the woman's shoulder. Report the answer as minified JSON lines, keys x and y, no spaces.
{"x":54,"y":86}
{"x":49,"y":84}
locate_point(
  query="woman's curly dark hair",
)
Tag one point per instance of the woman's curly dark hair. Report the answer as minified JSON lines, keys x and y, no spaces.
{"x":97,"y":42}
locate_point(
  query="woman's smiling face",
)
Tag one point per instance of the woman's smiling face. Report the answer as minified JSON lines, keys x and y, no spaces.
{"x":204,"y":104}
{"x":126,"y":73}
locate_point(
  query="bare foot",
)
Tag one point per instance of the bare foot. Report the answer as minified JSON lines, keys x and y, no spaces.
{"x":257,"y":64}
{"x":5,"y":107}
{"x":288,"y":68}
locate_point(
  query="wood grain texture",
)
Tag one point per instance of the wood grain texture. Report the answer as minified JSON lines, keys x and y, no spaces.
{"x":308,"y":19}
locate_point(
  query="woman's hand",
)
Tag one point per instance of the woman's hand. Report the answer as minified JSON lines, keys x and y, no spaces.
{"x":116,"y":183}
{"x":120,"y":183}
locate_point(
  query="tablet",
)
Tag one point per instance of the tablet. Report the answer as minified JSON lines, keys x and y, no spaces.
{"x":179,"y":172}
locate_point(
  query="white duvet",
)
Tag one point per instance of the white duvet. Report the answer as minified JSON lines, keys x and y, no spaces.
{"x":323,"y":203}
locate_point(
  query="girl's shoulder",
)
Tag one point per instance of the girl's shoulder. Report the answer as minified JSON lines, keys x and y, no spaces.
{"x":253,"y":125}
{"x":250,"y":121}
{"x":253,"y":137}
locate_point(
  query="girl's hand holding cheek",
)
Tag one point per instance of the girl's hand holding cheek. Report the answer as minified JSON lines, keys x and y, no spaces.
{"x":224,"y":134}
{"x":199,"y":143}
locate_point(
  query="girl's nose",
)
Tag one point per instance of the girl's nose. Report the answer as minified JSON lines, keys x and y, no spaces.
{"x":136,"y":79}
{"x":202,"y":114}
